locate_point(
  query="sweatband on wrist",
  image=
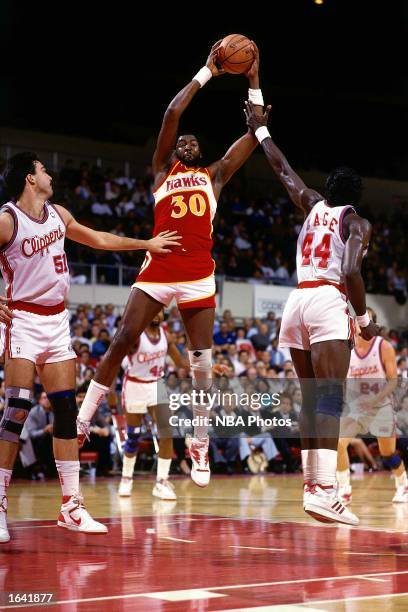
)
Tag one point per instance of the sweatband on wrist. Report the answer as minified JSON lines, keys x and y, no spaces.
{"x":203,"y":75}
{"x":262,"y":132}
{"x":255,"y":96}
{"x":363,"y":320}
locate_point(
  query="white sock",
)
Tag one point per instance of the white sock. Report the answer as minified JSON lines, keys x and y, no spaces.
{"x":5,"y":477}
{"x":343,"y":477}
{"x":309,"y":464}
{"x":95,"y":394}
{"x":201,"y":430}
{"x":402,"y":480}
{"x":68,"y":472}
{"x":326,"y":467}
{"x":128,"y":466}
{"x":163,"y":468}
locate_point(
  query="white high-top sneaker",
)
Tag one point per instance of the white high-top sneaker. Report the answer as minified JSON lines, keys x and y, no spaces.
{"x":401,"y":495}
{"x":125,"y":487}
{"x":75,"y":517}
{"x":324,"y":506}
{"x":163,"y":489}
{"x":4,"y":532}
{"x":200,"y":472}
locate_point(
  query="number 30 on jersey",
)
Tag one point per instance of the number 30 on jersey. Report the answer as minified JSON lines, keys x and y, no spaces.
{"x":196,"y":205}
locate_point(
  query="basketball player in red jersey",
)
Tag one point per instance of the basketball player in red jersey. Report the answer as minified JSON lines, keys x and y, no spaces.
{"x":186,"y":197}
{"x":316,"y":325}
{"x":36,"y":322}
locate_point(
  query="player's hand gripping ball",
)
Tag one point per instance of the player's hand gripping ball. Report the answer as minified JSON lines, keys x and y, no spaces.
{"x":235,"y":54}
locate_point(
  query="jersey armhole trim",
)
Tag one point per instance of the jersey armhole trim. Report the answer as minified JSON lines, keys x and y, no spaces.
{"x":346,"y":210}
{"x":58,"y":213}
{"x":380,"y":345}
{"x":9,"y":210}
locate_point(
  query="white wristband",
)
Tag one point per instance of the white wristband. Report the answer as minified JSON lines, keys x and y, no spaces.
{"x":203,"y":75}
{"x":262,"y":132}
{"x":255,"y":96}
{"x":363,"y":320}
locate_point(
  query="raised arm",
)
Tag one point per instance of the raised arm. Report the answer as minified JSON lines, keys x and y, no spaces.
{"x":359,"y":233}
{"x":110,"y":242}
{"x":222,"y":170}
{"x":301,"y":196}
{"x":169,"y":129}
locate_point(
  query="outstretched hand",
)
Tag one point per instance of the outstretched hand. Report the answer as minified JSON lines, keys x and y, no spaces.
{"x":254,"y":69}
{"x":162,"y":240}
{"x":211,"y":62}
{"x":253,"y":119}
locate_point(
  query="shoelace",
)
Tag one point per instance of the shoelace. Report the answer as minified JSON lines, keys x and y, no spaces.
{"x":77,"y":497}
{"x":83,"y":427}
{"x":3,"y":504}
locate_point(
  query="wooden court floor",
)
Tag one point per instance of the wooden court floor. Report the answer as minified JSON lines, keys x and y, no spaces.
{"x":243,"y":543}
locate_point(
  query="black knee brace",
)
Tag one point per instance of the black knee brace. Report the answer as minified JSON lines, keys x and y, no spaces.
{"x":18,"y":404}
{"x":65,"y":413}
{"x":330,"y":398}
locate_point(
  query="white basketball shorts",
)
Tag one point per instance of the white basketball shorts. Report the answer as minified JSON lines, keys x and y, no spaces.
{"x":314,"y":315}
{"x":38,"y":338}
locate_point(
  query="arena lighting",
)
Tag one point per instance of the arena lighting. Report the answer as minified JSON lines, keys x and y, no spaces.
{"x":318,"y":1}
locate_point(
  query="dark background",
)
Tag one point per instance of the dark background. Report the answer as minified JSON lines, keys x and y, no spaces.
{"x":336,"y":74}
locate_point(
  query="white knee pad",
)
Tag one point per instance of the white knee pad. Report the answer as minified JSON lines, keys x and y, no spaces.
{"x":201,"y":368}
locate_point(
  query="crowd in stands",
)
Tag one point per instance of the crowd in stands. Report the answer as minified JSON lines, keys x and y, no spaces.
{"x":255,"y":365}
{"x":253,"y":239}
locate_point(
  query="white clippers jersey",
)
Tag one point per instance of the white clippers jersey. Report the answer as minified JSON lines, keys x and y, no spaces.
{"x":367,"y":371}
{"x":320,"y":244}
{"x":147,"y":362}
{"x":33,"y":263}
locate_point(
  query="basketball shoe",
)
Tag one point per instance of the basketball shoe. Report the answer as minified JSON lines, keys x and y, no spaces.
{"x":200,"y":471}
{"x":401,"y":495}
{"x":125,"y":487}
{"x":323,"y":505}
{"x":75,"y":517}
{"x":163,"y":489}
{"x":4,"y":533}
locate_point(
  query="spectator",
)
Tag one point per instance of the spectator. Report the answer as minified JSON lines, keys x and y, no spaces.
{"x":39,"y":426}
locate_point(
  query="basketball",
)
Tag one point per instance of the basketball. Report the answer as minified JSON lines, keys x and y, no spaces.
{"x":235,"y":54}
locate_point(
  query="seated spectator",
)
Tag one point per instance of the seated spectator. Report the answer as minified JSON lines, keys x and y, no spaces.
{"x":224,"y":337}
{"x":79,"y":335}
{"x":278,"y":357}
{"x":244,"y":343}
{"x":99,"y":208}
{"x":261,"y":340}
{"x":39,"y":426}
{"x":101,"y":345}
{"x":252,"y":437}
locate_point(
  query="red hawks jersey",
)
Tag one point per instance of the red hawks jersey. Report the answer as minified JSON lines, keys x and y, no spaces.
{"x":367,"y":370}
{"x":184,"y":202}
{"x":321,"y":243}
{"x":148,"y":361}
{"x":33,"y":263}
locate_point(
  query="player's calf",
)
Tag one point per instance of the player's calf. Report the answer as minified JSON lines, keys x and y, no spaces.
{"x":129,"y":459}
{"x":18,"y":403}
